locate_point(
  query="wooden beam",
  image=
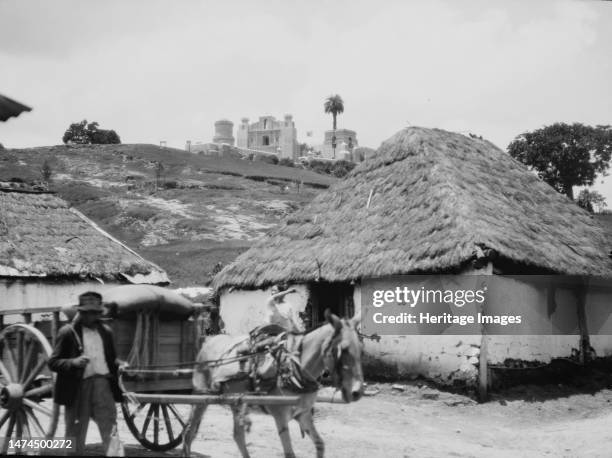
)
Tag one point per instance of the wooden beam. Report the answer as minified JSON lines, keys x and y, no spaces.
{"x":54,"y":326}
{"x":483,"y":371}
{"x":483,"y":364}
{"x":205,"y":399}
{"x":585,"y":340}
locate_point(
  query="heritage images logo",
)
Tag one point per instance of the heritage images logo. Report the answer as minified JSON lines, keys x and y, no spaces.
{"x":413,"y":297}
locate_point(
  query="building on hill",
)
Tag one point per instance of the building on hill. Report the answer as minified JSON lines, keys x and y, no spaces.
{"x":434,"y":202}
{"x":50,"y":253}
{"x":346,"y":136}
{"x":269,"y":135}
{"x":224,"y":135}
{"x":224,"y":132}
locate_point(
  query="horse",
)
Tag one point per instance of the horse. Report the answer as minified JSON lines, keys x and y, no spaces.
{"x":335,"y":346}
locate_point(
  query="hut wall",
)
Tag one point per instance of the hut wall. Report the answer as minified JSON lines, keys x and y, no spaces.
{"x":599,"y":321}
{"x":242,"y":310}
{"x":451,"y":359}
{"x":37,"y":293}
{"x":547,"y":331}
{"x":447,"y":359}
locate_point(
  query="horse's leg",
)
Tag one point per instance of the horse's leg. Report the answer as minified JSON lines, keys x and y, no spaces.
{"x":281,"y":418}
{"x":307,"y":424}
{"x":195,"y":418}
{"x":239,"y":414}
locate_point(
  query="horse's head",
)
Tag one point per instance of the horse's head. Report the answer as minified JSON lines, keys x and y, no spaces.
{"x":343,"y":356}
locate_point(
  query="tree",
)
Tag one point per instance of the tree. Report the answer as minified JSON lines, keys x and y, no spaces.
{"x":589,"y":200}
{"x":334,"y":105}
{"x":77,"y":133}
{"x":83,"y":133}
{"x":303,"y":147}
{"x":565,"y":155}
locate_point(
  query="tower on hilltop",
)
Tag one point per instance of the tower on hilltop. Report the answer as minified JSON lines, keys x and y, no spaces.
{"x":269,"y":135}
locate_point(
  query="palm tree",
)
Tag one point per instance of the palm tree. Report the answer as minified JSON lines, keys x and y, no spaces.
{"x":334,"y":105}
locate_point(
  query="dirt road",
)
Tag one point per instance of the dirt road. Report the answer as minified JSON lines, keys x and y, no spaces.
{"x":425,"y":422}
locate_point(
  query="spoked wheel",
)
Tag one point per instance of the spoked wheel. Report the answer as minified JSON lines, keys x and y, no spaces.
{"x":158,"y":427}
{"x":25,"y":381}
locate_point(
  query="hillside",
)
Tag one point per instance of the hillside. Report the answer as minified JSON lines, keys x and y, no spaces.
{"x":189,"y":215}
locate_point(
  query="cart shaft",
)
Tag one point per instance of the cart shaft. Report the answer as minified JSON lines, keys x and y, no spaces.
{"x":195,"y":399}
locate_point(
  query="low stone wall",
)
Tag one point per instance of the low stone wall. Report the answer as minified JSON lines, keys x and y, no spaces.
{"x":225,"y":150}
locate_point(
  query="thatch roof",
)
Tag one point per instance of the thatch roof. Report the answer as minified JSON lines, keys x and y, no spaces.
{"x":10,"y":108}
{"x":41,"y":236}
{"x":605,"y":220}
{"x":428,"y":201}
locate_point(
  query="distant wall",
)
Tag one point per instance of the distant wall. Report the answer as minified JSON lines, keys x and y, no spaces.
{"x":32,"y":293}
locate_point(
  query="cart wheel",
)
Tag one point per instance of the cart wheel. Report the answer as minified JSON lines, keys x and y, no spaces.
{"x":156,"y":426}
{"x":25,"y":380}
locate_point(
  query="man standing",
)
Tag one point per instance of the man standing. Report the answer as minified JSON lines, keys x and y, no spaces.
{"x":85,"y":360}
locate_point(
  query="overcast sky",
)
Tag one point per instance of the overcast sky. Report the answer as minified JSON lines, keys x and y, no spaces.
{"x":166,"y":70}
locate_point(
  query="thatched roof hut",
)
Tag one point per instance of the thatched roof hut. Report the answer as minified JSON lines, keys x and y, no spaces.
{"x":429,"y":201}
{"x":42,"y":236}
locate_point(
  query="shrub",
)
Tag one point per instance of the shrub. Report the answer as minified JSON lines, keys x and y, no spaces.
{"x":170,"y":184}
{"x":141,"y":212}
{"x":286,"y":162}
{"x":83,"y":133}
{"x":267,"y":158}
{"x":342,"y":168}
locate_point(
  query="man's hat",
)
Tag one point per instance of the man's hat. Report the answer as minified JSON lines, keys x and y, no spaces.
{"x":90,"y":302}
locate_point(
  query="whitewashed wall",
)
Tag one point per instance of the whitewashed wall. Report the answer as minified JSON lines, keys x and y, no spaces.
{"x":443,"y":358}
{"x":531,"y":302}
{"x":450,"y":358}
{"x":533,"y":340}
{"x":599,"y":322}
{"x":242,"y":310}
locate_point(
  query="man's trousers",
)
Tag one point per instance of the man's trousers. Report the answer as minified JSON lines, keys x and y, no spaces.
{"x":95,"y":400}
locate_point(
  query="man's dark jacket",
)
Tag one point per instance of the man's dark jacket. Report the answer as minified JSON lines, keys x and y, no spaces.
{"x":69,"y":377}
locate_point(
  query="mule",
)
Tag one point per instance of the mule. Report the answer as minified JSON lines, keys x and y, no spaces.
{"x":334,"y":346}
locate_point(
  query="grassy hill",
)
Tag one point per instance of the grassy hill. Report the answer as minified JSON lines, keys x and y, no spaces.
{"x":190,"y":215}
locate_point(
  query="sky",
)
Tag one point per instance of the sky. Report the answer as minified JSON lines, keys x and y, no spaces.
{"x":166,"y":70}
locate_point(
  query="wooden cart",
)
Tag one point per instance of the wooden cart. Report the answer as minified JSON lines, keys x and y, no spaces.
{"x":162,"y":389}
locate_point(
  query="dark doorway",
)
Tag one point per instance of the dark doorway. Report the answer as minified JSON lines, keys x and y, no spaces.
{"x":337,"y":297}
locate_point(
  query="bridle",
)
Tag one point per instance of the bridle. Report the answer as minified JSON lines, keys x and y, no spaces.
{"x":338,"y":354}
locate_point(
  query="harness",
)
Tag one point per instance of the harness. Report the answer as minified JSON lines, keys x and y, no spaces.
{"x":291,"y":374}
{"x":270,"y":358}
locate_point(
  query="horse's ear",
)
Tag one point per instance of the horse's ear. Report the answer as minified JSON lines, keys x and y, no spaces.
{"x":356,"y":320}
{"x":333,"y":320}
